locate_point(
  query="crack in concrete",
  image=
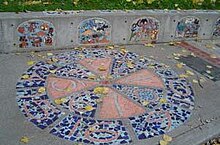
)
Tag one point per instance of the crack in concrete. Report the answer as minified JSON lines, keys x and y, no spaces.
{"x":207,"y":121}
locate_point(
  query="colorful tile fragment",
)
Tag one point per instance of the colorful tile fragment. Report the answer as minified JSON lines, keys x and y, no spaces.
{"x":188,"y":27}
{"x":91,"y":131}
{"x":147,"y":97}
{"x":216,"y":32}
{"x":36,"y":33}
{"x":83,"y":103}
{"x":144,"y":30}
{"x":159,"y":121}
{"x":136,"y":89}
{"x":37,"y":108}
{"x":94,"y":31}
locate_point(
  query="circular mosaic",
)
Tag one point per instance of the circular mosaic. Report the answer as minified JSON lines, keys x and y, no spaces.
{"x":95,"y":96}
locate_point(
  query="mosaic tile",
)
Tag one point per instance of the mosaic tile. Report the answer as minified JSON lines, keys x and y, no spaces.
{"x":99,"y":89}
{"x":40,"y":70}
{"x":94,"y":31}
{"x":216,"y":32}
{"x":178,"y":116}
{"x":38,"y":110}
{"x":64,"y":58}
{"x":74,"y":70}
{"x":30,"y":83}
{"x":121,"y":107}
{"x":144,"y":29}
{"x":37,"y":75}
{"x":146,"y":96}
{"x":60,"y":87}
{"x":166,"y":73}
{"x":158,"y":122}
{"x":96,"y":64}
{"x":126,"y":63}
{"x":180,"y":93}
{"x":151,"y":124}
{"x":79,"y":102}
{"x":142,"y":78}
{"x":97,"y":53}
{"x":188,"y":27}
{"x":29,"y":93}
{"x":91,"y":131}
{"x":36,"y":33}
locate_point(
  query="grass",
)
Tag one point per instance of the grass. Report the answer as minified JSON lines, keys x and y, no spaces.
{"x":19,"y":5}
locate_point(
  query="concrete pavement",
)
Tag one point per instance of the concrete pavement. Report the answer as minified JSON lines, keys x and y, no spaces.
{"x":203,"y":124}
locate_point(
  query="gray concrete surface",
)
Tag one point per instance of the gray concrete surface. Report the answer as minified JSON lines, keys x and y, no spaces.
{"x":203,"y":124}
{"x":121,"y":21}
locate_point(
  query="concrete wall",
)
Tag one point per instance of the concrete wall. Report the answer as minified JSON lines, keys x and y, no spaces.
{"x":66,"y":26}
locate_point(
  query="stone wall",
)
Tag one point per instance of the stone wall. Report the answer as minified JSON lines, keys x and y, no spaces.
{"x":54,"y":30}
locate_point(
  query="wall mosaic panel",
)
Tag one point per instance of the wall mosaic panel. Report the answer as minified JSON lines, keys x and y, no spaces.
{"x":86,"y":84}
{"x":36,"y":33}
{"x":144,"y":30}
{"x":188,"y":27}
{"x":94,"y":31}
{"x":216,"y":32}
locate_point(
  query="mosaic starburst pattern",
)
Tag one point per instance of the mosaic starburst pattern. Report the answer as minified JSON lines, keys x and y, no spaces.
{"x":103,"y":93}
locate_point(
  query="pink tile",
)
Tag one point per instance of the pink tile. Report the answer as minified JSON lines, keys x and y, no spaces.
{"x":108,"y":108}
{"x":94,"y":64}
{"x":115,"y":105}
{"x":129,"y":108}
{"x":142,"y":78}
{"x":62,"y":87}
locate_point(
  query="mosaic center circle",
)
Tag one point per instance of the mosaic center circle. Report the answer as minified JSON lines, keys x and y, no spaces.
{"x":89,"y":96}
